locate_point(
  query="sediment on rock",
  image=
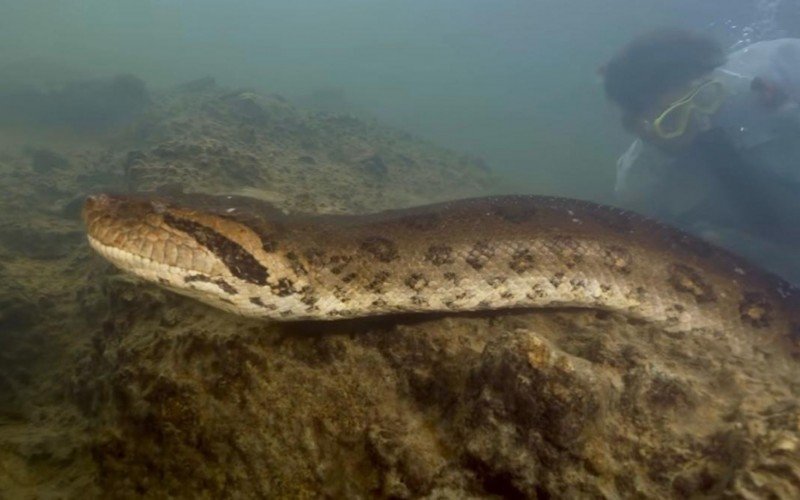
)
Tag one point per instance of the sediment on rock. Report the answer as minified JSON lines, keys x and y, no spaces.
{"x":112,"y":387}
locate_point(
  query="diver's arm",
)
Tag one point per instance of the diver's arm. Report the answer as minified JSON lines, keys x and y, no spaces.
{"x":785,"y":68}
{"x":640,"y":179}
{"x":747,"y":189}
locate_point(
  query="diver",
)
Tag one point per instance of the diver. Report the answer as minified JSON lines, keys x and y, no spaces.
{"x":717,"y":151}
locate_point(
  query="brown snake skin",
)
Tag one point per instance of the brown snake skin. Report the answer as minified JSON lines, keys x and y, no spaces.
{"x":245,"y":256}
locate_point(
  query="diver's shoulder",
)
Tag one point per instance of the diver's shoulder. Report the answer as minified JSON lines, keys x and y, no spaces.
{"x":767,"y":48}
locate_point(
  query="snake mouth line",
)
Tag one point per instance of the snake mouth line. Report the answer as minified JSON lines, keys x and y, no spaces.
{"x":210,"y":289}
{"x":137,"y":264}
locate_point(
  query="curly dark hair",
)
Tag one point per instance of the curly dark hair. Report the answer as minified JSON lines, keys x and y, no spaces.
{"x":657,"y":62}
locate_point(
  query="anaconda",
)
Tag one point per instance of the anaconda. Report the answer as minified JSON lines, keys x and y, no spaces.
{"x":250,"y":258}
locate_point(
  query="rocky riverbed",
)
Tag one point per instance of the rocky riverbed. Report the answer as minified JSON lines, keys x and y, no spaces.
{"x":109,"y":386}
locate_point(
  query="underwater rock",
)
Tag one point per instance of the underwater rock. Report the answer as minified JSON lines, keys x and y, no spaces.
{"x":199,"y":85}
{"x":327,"y":100}
{"x":308,"y":160}
{"x":18,"y":344}
{"x":247,"y":107}
{"x":267,"y":143}
{"x":17,"y":311}
{"x":44,"y":160}
{"x":169,"y":398}
{"x":374,"y":165}
{"x":88,"y":105}
{"x":40,"y":243}
{"x":546,"y":404}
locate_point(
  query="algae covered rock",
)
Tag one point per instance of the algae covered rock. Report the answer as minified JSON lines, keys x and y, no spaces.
{"x":110,"y":387}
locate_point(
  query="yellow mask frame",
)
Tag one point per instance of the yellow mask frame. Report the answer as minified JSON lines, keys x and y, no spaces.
{"x":705,"y":98}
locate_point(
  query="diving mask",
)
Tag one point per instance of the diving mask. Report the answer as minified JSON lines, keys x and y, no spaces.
{"x":705,"y":98}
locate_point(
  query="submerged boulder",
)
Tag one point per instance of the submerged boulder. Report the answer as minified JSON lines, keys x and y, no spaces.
{"x":88,"y":105}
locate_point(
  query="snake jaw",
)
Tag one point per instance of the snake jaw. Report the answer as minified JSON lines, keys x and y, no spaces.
{"x":135,"y":228}
{"x":196,"y":254}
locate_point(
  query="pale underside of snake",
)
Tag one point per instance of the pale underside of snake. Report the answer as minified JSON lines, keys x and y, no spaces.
{"x":247,"y":257}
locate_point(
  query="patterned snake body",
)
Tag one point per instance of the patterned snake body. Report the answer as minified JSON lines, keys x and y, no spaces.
{"x":247,"y":257}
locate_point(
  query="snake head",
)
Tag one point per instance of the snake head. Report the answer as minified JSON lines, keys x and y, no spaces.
{"x":120,"y":221}
{"x":147,"y":236}
{"x":194,"y":251}
{"x":126,"y":223}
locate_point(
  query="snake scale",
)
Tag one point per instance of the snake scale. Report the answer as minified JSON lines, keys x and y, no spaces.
{"x":250,"y":258}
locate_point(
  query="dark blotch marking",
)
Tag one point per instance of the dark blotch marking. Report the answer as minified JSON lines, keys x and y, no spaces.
{"x":421,"y":222}
{"x":297,"y":266}
{"x":260,"y":303}
{"x":496,"y":281}
{"x":674,"y":313}
{"x":337,"y":263}
{"x":639,"y":294}
{"x":349,"y":277}
{"x":534,"y":294}
{"x":196,"y":277}
{"x":164,"y":281}
{"x":578,"y":283}
{"x":567,"y":249}
{"x":285,"y":287}
{"x":557,"y":279}
{"x":439,"y":255}
{"x":376,"y":284}
{"x":755,"y":310}
{"x":521,"y":261}
{"x":618,"y":259}
{"x":226,"y":287}
{"x":416,"y":282}
{"x":516,"y":213}
{"x":480,"y":254}
{"x":315,"y":257}
{"x":238,"y":260}
{"x":685,"y":279}
{"x":221,"y":283}
{"x":380,"y":248}
{"x":341,"y":294}
{"x":419,"y":300}
{"x":308,"y":297}
{"x":379,"y":303}
{"x":268,"y":243}
{"x":451,"y":277}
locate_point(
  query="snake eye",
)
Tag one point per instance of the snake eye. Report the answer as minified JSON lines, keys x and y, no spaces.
{"x":96,"y":201}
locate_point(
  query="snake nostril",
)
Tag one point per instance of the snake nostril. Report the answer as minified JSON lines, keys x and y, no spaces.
{"x":95,"y":203}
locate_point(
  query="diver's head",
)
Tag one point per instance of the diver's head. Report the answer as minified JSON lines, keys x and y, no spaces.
{"x":662,"y":81}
